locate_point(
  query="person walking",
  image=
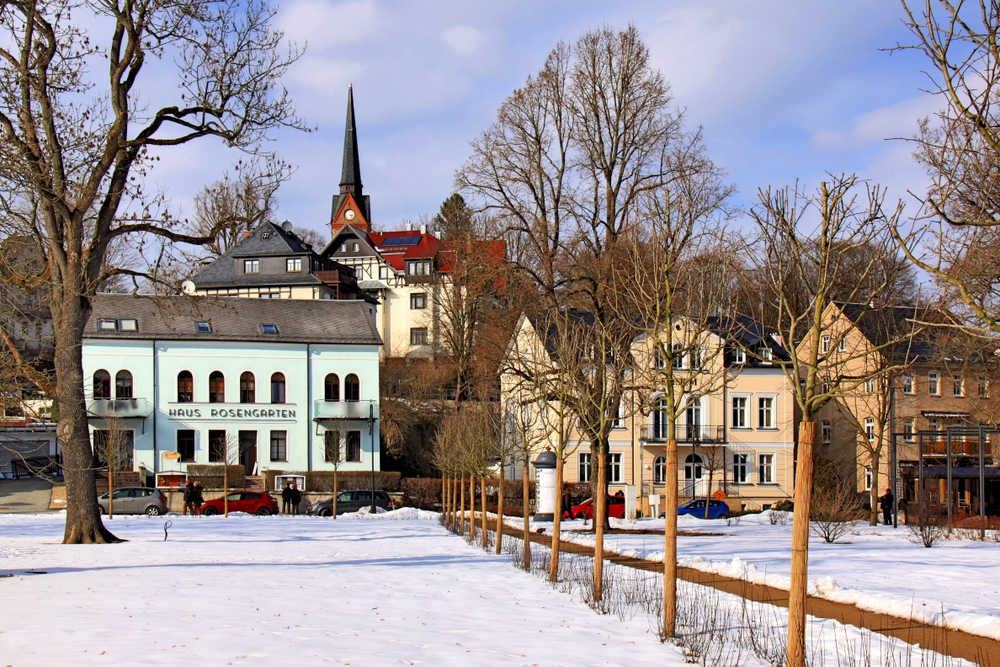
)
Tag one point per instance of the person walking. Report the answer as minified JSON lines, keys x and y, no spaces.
{"x":286,"y":499}
{"x":197,"y":499}
{"x":885,"y":504}
{"x":296,"y":498}
{"x":189,"y":497}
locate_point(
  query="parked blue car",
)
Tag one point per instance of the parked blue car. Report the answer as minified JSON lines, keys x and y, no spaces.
{"x":696,"y":508}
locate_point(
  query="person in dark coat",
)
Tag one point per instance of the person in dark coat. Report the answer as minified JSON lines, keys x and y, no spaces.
{"x":885,"y":504}
{"x":197,"y":499}
{"x":286,"y":499}
{"x":296,"y":498}
{"x":189,"y":497}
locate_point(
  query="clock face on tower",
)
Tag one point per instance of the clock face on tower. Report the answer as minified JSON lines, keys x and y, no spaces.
{"x":349,"y":214}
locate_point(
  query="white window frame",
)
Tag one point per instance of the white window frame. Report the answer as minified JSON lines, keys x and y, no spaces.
{"x":824,"y":344}
{"x":842,"y":344}
{"x":870,"y":428}
{"x":934,"y":383}
{"x":909,"y":430}
{"x":908,"y":384}
{"x":870,"y":386}
{"x":383,"y":272}
{"x":585,"y":467}
{"x":660,"y":469}
{"x":738,"y":356}
{"x":615,"y":465}
{"x":741,"y":465}
{"x":768,"y":467}
{"x":771,"y":411}
{"x":958,"y":386}
{"x":293,"y":265}
{"x":825,"y":431}
{"x":745,"y":411}
{"x":868,"y":478}
{"x":251,"y":266}
{"x":983,"y":388}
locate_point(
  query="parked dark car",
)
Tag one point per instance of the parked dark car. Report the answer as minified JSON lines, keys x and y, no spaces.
{"x":251,"y":502}
{"x":696,"y":508}
{"x":585,"y":510}
{"x":352,"y":501}
{"x":135,"y":500}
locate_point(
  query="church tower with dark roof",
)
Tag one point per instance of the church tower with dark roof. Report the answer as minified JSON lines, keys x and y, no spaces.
{"x":351,"y":205}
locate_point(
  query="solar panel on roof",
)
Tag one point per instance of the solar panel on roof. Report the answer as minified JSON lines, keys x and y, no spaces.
{"x":401,"y":240}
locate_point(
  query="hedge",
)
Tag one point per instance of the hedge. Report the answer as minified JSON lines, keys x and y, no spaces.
{"x":211,"y":476}
{"x":321,"y":481}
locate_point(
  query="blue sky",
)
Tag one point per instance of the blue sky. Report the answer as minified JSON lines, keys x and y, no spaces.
{"x":785,"y":90}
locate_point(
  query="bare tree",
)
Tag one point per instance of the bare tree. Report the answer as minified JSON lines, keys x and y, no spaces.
{"x":114,"y":449}
{"x":802,"y":244}
{"x":76,"y":147}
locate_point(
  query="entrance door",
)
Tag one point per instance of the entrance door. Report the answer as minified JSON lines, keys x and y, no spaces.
{"x":248,"y":451}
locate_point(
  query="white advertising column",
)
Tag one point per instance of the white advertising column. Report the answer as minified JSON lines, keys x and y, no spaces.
{"x":545,"y":486}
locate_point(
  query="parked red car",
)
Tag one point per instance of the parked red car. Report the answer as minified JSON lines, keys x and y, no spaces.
{"x":585,"y":510}
{"x":251,"y":502}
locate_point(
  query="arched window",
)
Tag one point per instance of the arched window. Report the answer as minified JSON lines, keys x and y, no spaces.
{"x":185,"y":387}
{"x":331,"y":387}
{"x":692,"y":467}
{"x":102,"y":384}
{"x":248,"y":388}
{"x":352,"y":388}
{"x":660,"y":470}
{"x":278,"y":388}
{"x":123,"y":384}
{"x":216,"y":387}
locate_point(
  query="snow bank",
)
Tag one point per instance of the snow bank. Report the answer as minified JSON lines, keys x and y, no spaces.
{"x":402,"y":514}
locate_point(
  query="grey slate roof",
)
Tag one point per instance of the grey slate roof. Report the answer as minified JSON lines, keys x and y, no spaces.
{"x":222,"y":271}
{"x":319,"y":321}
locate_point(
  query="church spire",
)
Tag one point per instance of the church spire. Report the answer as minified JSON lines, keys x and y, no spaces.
{"x":350,"y":177}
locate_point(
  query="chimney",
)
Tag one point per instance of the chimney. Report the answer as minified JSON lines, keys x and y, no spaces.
{"x":409,"y":226}
{"x":423,"y":229}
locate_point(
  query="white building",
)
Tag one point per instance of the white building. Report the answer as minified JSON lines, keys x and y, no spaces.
{"x":272,"y":383}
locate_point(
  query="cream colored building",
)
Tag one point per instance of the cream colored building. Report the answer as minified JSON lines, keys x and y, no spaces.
{"x":736,"y":436}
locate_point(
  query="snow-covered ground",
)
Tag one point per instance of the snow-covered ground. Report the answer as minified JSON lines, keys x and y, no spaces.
{"x":956,"y":582}
{"x":291,"y":591}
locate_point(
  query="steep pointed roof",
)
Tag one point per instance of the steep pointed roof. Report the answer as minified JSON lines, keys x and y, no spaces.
{"x":350,"y":176}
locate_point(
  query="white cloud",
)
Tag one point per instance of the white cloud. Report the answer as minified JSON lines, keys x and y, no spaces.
{"x":463,"y":39}
{"x":323,"y":24}
{"x":890,"y":122}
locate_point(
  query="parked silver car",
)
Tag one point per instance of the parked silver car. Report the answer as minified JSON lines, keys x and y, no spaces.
{"x":136,"y":500}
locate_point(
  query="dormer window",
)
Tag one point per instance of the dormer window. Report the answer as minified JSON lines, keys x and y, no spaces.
{"x":203,"y":327}
{"x":737,"y":356}
{"x":269,"y":328}
{"x":343,"y":247}
{"x":293,"y":265}
{"x":251,"y":266}
{"x":765,"y":355}
{"x":419,"y":268}
{"x":106,"y":324}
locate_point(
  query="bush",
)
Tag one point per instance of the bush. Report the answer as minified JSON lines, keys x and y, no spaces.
{"x":783,"y":506}
{"x":211,"y":476}
{"x":421,"y":492}
{"x":834,"y":509}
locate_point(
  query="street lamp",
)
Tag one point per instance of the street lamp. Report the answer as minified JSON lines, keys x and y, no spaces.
{"x":371,"y":431}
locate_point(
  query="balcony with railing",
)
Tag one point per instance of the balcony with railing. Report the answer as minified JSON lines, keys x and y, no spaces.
{"x":703,"y":433}
{"x":123,"y":408}
{"x":345,"y":409}
{"x":962,"y":444}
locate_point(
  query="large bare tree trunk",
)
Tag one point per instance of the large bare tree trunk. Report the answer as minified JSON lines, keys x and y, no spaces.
{"x":800,"y":547}
{"x":485,"y":541}
{"x":525,"y":510}
{"x":460,"y":526}
{"x":600,"y":519}
{"x":556,"y":523}
{"x":499,"y":511}
{"x":670,"y":543}
{"x":83,"y":519}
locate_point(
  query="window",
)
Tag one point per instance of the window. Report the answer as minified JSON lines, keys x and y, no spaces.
{"x":185,"y":387}
{"x":251,"y":266}
{"x":293,"y":265}
{"x":678,"y":356}
{"x":203,"y":327}
{"x":868,"y":478}
{"x":279,"y":445}
{"x":692,"y":467}
{"x":842,"y":344}
{"x":269,"y":295}
{"x":932,"y":384}
{"x":933,"y":425}
{"x":696,"y":357}
{"x":765,"y":468}
{"x":824,"y":344}
{"x":584,"y":466}
{"x":825,"y":432}
{"x":278,"y":388}
{"x":353,"y":446}
{"x":740,"y":468}
{"x":105,"y":324}
{"x":352,"y":388}
{"x":908,"y":383}
{"x":123,"y":384}
{"x":766,"y":355}
{"x":740,"y":412}
{"x":383,"y":273}
{"x":331,"y":388}
{"x":618,"y":422}
{"x":869,"y":429}
{"x":737,"y":356}
{"x":908,"y":428}
{"x":765,"y":412}
{"x":217,"y":447}
{"x":216,"y":387}
{"x":343,"y":247}
{"x":614,"y":468}
{"x":958,"y":386}
{"x":331,"y":447}
{"x":185,"y":444}
{"x":419,"y":268}
{"x":102,"y":384}
{"x":658,"y":361}
{"x":128,"y":325}
{"x":660,"y":470}
{"x":659,"y":425}
{"x":870,"y":386}
{"x":269,"y":328}
{"x":248,"y":388}
{"x":418,"y":336}
{"x":355,"y":246}
{"x":418,"y":301}
{"x":983,"y":388}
